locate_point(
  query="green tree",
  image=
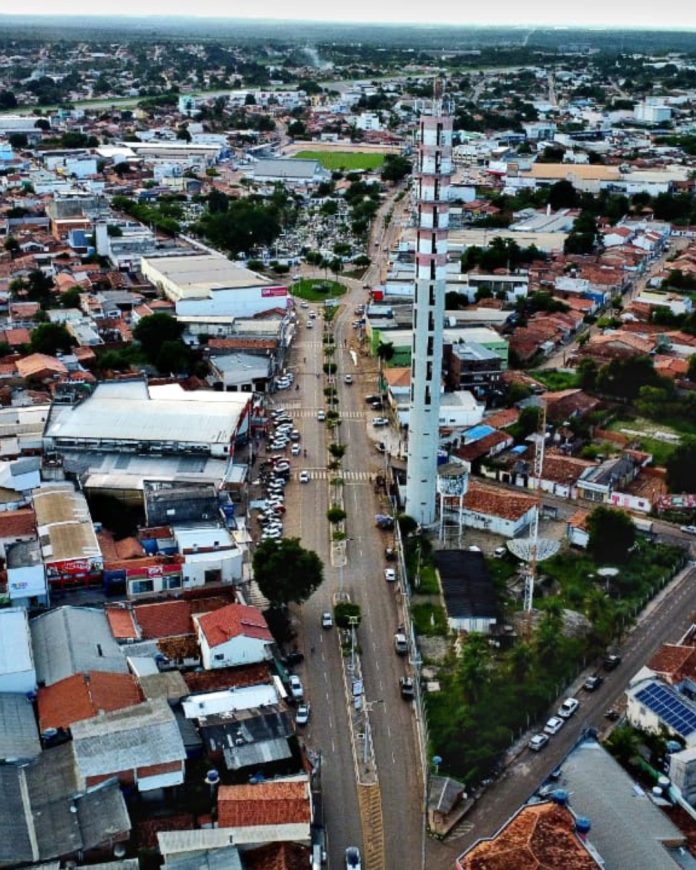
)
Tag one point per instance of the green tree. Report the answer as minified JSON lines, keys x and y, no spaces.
{"x":681,"y":467}
{"x":174,"y":357}
{"x":50,"y":338}
{"x":612,"y":534}
{"x":285,"y":572}
{"x":396,"y":167}
{"x":71,"y":297}
{"x":154,"y":331}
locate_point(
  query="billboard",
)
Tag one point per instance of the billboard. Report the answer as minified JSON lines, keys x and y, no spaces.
{"x":74,"y":568}
{"x":675,"y":502}
{"x":267,"y":292}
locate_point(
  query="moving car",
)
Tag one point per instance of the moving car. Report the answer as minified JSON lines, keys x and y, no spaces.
{"x":353,"y":859}
{"x":303,"y":714}
{"x":592,"y":683}
{"x":321,"y":416}
{"x":568,"y":707}
{"x":296,"y":687}
{"x":381,"y":447}
{"x":327,"y":619}
{"x":348,"y":379}
{"x":538,"y":742}
{"x":380,"y":421}
{"x":304,"y":477}
{"x":310,"y":324}
{"x":390,"y":575}
{"x":554,"y":725}
{"x":611,"y":662}
{"x":295,"y":450}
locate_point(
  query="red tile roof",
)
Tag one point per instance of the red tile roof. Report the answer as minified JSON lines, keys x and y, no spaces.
{"x":539,"y":837}
{"x":235,"y":620}
{"x":674,"y":662}
{"x":164,"y":619}
{"x":122,"y":623}
{"x":83,"y":696}
{"x":225,"y":678}
{"x":268,"y":803}
{"x":17,"y":524}
{"x":278,"y":856}
{"x":497,"y":502}
{"x":502,"y":419}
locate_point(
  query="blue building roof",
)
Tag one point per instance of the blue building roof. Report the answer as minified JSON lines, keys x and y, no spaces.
{"x":478,"y":432}
{"x":670,"y":707}
{"x":521,"y":448}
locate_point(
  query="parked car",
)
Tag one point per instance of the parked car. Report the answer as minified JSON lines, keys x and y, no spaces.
{"x":611,"y":662}
{"x":294,"y":657}
{"x":380,"y":421}
{"x":353,"y":859}
{"x":303,"y":714}
{"x":408,"y":690}
{"x":327,"y":619}
{"x":592,"y":683}
{"x":568,"y":707}
{"x":689,"y":530}
{"x":390,"y":575}
{"x":400,"y":644}
{"x":296,"y":687}
{"x":295,"y":450}
{"x":381,"y":447}
{"x":538,"y":742}
{"x":304,"y":477}
{"x":390,"y":554}
{"x":554,"y":725}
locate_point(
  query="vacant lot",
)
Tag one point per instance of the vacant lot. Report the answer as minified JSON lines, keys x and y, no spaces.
{"x":347,"y":160}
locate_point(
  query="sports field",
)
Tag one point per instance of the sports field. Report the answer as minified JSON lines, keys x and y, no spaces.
{"x":348,"y":160}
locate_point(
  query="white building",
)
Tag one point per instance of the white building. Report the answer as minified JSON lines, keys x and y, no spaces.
{"x":26,"y":575}
{"x":208,"y":284}
{"x":17,"y":670}
{"x":650,"y":113}
{"x":655,"y":706}
{"x":233,"y":635}
{"x":211,"y":555}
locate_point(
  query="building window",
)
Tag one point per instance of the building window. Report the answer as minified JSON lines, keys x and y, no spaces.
{"x":173,"y":582}
{"x":138,"y":587}
{"x":219,"y":657}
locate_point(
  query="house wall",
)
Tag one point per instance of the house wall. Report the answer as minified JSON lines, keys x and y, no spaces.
{"x":26,"y":583}
{"x":237,"y":651}
{"x":227,"y":562}
{"x":18,"y":682}
{"x":480,"y":624}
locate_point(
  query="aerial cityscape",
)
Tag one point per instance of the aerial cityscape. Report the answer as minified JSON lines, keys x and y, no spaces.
{"x":347,"y":460}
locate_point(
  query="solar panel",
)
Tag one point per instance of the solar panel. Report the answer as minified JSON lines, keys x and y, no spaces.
{"x":670,"y":708}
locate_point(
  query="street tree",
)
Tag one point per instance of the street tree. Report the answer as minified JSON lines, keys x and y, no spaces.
{"x":681,"y":467}
{"x":286,"y":572}
{"x":612,"y":534}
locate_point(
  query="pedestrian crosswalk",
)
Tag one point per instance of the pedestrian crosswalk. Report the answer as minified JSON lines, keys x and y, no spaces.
{"x":346,"y":476}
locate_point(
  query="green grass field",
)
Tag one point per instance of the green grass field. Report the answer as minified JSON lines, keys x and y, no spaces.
{"x":348,"y":160}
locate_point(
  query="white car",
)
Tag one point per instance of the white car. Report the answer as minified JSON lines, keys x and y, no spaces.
{"x":380,"y":421}
{"x":689,"y":530}
{"x":296,"y":687}
{"x":321,"y":416}
{"x":390,"y":575}
{"x":554,"y":725}
{"x":310,"y":324}
{"x":295,"y":450}
{"x":348,"y":379}
{"x":304,"y":477}
{"x":303,"y":714}
{"x":538,"y":742}
{"x":568,"y":707}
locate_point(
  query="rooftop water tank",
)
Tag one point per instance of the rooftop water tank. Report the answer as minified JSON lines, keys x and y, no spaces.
{"x":583,"y":825}
{"x":560,"y":797}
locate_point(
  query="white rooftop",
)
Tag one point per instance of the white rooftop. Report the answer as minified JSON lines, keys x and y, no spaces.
{"x":199,"y":275}
{"x":132,"y":411}
{"x":15,"y":645}
{"x":230,"y":700}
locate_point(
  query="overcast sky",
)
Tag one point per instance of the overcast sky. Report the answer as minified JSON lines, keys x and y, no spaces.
{"x":640,"y":13}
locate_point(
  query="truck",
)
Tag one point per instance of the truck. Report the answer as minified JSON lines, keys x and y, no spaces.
{"x":643,"y":525}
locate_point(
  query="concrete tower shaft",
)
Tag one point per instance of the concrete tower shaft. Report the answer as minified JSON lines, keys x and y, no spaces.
{"x":432,"y":177}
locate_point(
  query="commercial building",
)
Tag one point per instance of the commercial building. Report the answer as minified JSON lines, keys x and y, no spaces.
{"x":208,"y":284}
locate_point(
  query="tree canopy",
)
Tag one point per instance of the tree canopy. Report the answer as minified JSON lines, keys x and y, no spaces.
{"x":286,"y":572}
{"x":49,"y":338}
{"x":681,"y":467}
{"x":156,"y":331}
{"x":612,"y":534}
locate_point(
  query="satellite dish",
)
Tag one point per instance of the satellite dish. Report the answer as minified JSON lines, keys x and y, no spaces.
{"x":524,"y":548}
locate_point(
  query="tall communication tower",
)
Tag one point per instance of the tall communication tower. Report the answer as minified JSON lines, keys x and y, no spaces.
{"x":434,"y":167}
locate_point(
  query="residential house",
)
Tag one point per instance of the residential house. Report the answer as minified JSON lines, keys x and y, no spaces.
{"x":19,"y":736}
{"x":46,"y":814}
{"x":16,"y":525}
{"x":577,"y":531}
{"x":74,"y":640}
{"x":467,"y":589}
{"x":26,"y":576}
{"x":274,"y":811}
{"x":498,"y":511}
{"x":655,"y":706}
{"x":140,"y":745}
{"x":470,"y":366}
{"x":84,"y":696}
{"x":605,"y":482}
{"x":234,"y":635}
